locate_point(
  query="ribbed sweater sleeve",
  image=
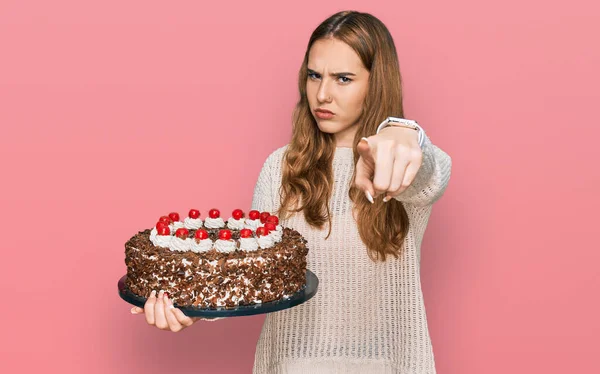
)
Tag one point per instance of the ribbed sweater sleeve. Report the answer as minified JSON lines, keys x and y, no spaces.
{"x":431,"y":179}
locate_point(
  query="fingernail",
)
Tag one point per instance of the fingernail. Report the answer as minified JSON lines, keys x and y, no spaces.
{"x":133,"y":310}
{"x":160,"y":294}
{"x":386,"y":199}
{"x":167,"y":295}
{"x":369,"y":197}
{"x":363,"y":138}
{"x":153,"y":293}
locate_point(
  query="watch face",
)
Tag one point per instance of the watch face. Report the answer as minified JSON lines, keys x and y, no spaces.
{"x":403,"y":121}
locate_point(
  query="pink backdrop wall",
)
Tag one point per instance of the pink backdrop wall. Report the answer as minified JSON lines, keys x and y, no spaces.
{"x":113,"y":113}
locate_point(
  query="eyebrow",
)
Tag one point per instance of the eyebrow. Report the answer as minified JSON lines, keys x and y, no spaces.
{"x":333,"y":74}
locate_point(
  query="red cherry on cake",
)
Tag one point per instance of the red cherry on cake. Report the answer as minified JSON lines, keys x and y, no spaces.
{"x":201,"y":234}
{"x":273,"y":219}
{"x":262,"y":231}
{"x":163,"y":230}
{"x":225,"y":234}
{"x":269,"y":226}
{"x":214,"y":213}
{"x":160,"y":224}
{"x":182,"y":233}
{"x":254,"y":214}
{"x":264,"y":216}
{"x":237,"y":214}
{"x":194,"y":213}
{"x":174,"y":216}
{"x":165,"y":219}
{"x":245,"y":233}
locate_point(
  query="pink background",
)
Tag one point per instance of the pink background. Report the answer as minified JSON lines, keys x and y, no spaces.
{"x":114,"y":113}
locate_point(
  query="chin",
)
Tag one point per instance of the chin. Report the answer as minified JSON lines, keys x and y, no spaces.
{"x":328,"y":126}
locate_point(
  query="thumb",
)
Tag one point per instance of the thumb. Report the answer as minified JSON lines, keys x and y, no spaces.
{"x":365,"y":168}
{"x":137,"y":310}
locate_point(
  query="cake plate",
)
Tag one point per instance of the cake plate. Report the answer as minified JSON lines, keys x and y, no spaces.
{"x":306,"y":293}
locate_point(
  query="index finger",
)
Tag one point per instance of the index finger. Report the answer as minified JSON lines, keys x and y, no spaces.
{"x":365,"y":150}
{"x":364,"y":173}
{"x":365,"y":168}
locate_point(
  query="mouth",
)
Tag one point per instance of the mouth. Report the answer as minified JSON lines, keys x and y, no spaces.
{"x":323,"y":114}
{"x":320,"y":110}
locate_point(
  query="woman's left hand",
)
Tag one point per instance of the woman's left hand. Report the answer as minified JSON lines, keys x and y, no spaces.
{"x":388,"y":162}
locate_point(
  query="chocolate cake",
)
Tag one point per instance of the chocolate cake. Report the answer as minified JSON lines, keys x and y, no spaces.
{"x":216,"y":263}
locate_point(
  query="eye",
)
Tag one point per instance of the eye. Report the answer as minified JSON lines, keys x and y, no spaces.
{"x":342,"y":78}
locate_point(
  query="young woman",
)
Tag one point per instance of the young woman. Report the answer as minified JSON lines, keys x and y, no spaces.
{"x":362,"y":199}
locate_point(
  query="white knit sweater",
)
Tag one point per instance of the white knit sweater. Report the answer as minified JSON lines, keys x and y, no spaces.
{"x":366,"y":317}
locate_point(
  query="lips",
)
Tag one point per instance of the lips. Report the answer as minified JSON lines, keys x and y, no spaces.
{"x":323,"y":110}
{"x":323,"y":114}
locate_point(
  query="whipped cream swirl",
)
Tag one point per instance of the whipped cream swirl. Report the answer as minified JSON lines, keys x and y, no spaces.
{"x":153,"y":234}
{"x":192,"y":223}
{"x":174,"y":226}
{"x":277,"y":234}
{"x":266,"y":241}
{"x":236,"y":224}
{"x":252,"y":224}
{"x":248,"y":244}
{"x":214,"y":223}
{"x":201,"y":245}
{"x":162,"y":241}
{"x":225,"y":245}
{"x":180,"y":245}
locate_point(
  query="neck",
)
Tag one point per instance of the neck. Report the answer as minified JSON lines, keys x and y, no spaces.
{"x":345,"y":138}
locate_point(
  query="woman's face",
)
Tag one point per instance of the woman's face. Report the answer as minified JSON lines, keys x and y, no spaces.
{"x":337,"y":81}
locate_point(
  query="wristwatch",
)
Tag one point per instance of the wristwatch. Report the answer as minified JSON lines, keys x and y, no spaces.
{"x":403,"y":122}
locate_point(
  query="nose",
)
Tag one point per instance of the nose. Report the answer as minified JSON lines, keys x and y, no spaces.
{"x":323,"y":95}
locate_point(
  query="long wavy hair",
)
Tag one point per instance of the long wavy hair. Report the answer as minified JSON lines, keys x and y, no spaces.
{"x":307,"y":179}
